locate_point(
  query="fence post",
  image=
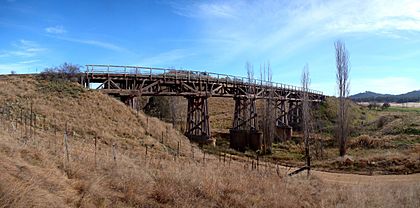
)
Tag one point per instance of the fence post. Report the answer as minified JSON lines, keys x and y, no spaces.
{"x":114,"y":154}
{"x":34,"y":126}
{"x":204,"y":158}
{"x":147,"y":124}
{"x":258,"y":161}
{"x":66,"y":150}
{"x":30,"y":123}
{"x":179,"y":145}
{"x":192,"y":151}
{"x":95,"y":150}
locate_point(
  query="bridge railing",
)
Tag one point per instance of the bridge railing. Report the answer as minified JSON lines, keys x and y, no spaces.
{"x":190,"y":75}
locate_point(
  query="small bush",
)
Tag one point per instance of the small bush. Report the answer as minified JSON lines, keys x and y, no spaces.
{"x":373,"y":106}
{"x":65,"y":72}
{"x":385,"y":106}
{"x":367,"y":142}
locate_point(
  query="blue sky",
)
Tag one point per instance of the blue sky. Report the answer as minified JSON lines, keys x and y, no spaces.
{"x":382,"y":37}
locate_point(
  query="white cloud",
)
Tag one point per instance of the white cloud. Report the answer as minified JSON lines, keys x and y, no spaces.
{"x":23,"y":48}
{"x":274,"y":29}
{"x":22,"y":57}
{"x":167,"y":57}
{"x":96,"y":43}
{"x":372,"y":16}
{"x":59,"y":29}
{"x":91,"y":42}
{"x":205,"y":9}
{"x":279,"y":30}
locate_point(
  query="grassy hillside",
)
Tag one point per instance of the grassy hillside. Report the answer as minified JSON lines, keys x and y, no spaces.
{"x":121,"y":172}
{"x":381,"y":141}
{"x":413,"y":96}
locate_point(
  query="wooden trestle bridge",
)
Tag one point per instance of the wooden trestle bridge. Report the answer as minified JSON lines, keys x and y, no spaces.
{"x":129,"y":82}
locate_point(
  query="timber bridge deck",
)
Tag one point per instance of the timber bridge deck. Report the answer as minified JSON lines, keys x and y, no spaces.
{"x":129,"y":82}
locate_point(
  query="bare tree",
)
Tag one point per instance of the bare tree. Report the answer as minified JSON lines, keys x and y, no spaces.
{"x":306,"y":114}
{"x":251,"y":112}
{"x":268,"y":120}
{"x":249,"y":71}
{"x":343,"y":84}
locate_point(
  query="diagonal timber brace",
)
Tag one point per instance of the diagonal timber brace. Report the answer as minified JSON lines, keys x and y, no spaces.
{"x":245,"y":114}
{"x":198,"y":125}
{"x":295,"y":114}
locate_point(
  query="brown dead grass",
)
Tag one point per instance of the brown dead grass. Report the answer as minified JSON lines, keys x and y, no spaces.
{"x":34,"y":172}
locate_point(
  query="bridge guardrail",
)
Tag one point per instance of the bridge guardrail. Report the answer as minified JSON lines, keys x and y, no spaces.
{"x":188,"y":74}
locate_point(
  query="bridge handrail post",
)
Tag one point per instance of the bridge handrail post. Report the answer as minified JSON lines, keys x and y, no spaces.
{"x":164,"y":74}
{"x":150,"y":72}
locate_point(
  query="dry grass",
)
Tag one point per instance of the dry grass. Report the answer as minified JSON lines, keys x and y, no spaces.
{"x":33,"y":175}
{"x":34,"y":172}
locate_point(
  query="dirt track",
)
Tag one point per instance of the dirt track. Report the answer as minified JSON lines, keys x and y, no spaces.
{"x":352,"y":179}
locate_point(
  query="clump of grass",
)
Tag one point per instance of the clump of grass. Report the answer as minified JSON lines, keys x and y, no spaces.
{"x":366,"y":141}
{"x":411,"y":130}
{"x":61,"y":89}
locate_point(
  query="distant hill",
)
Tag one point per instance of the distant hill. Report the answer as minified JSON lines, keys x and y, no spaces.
{"x":368,"y":96}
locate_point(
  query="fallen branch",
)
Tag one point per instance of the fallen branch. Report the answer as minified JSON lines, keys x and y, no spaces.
{"x":298,"y":170}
